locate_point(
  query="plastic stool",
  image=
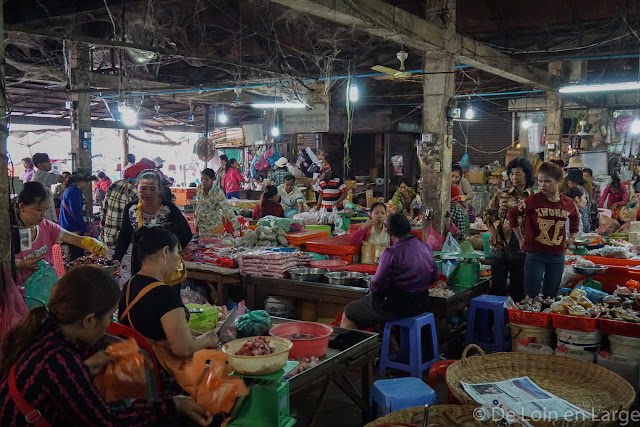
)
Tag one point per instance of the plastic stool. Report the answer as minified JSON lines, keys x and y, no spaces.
{"x":410,"y":358}
{"x":399,"y":393}
{"x":479,"y":324}
{"x":439,"y":369}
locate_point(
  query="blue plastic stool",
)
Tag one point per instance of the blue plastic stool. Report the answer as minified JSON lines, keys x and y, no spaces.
{"x":410,"y":358}
{"x":400,"y":393}
{"x":479,"y":324}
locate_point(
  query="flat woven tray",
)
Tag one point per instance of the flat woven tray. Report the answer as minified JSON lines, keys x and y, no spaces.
{"x":439,"y":416}
{"x":586,"y":385}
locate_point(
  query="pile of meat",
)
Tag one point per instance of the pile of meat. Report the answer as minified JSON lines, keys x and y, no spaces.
{"x":301,"y":336}
{"x":271,"y":262}
{"x":306,"y":363}
{"x":93,"y":259}
{"x":255,"y":347}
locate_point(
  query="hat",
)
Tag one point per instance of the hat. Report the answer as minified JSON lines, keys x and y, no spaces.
{"x":282,"y":162}
{"x":575,"y":175}
{"x":159,"y":161}
{"x":575,"y":162}
{"x":455,"y":194}
{"x":133,"y":171}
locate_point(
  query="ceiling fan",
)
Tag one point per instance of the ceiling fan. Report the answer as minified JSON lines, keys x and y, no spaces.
{"x":395,"y":74}
{"x":237,"y":102}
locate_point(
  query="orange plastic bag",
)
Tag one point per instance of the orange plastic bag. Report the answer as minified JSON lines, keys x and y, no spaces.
{"x":215,"y":390}
{"x":124,"y":379}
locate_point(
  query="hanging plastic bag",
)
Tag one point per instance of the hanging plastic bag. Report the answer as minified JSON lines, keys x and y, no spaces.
{"x":455,"y":231}
{"x":465,"y":162}
{"x":124,"y":379}
{"x":13,"y":307}
{"x":450,"y":246}
{"x":38,"y":286}
{"x":217,"y":391}
{"x":447,"y":268}
{"x":434,"y":239}
{"x":257,"y":322}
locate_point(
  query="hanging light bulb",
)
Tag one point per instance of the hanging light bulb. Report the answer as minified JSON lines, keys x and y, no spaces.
{"x":127,"y":114}
{"x":275,"y":132}
{"x":526,"y":123}
{"x":353,"y":92}
{"x":635,"y":126}
{"x":222,"y":117}
{"x":468,"y":114}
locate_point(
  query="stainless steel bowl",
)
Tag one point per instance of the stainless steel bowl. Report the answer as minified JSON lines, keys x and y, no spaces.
{"x":348,"y":278}
{"x":590,"y":269}
{"x":307,"y":274}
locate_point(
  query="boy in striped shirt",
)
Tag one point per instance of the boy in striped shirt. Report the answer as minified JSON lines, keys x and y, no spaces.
{"x":332,"y":193}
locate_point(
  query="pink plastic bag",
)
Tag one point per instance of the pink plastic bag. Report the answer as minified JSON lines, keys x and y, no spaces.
{"x":262,"y":164}
{"x":455,"y":232}
{"x":13,"y":306}
{"x":434,"y":239}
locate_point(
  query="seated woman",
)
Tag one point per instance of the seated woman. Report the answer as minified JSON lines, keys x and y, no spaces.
{"x":153,"y":308}
{"x":45,"y":352}
{"x":579,"y":197}
{"x":405,"y":198}
{"x":267,"y":205}
{"x":400,"y":286}
{"x":615,"y":195}
{"x":374,"y":231}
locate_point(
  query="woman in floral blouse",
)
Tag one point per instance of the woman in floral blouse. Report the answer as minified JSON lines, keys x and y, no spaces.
{"x":211,"y":201}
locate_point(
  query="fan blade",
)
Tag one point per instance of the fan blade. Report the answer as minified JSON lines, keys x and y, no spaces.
{"x":391,"y":72}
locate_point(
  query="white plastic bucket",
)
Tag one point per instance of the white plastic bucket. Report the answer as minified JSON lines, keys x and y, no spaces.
{"x":578,"y":340}
{"x":625,"y":346}
{"x":278,"y":307}
{"x":535,"y":334}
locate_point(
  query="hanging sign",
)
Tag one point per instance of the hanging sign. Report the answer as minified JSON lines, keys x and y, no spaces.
{"x":305,"y":121}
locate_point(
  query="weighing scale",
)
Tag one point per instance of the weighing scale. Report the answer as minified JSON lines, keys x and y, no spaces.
{"x":267,"y":404}
{"x":589,"y":271}
{"x":581,"y":247}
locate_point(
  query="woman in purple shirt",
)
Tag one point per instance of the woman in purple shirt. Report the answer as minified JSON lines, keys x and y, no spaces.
{"x":400,"y":286}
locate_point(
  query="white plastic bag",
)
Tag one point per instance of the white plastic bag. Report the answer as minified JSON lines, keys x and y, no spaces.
{"x":450,"y":246}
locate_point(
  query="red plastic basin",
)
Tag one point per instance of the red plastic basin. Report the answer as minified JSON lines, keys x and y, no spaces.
{"x":304,"y":348}
{"x":331,"y":264}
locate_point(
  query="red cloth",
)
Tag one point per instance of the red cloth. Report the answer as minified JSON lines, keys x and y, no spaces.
{"x":103,"y":184}
{"x":231,"y":181}
{"x":132,"y":171}
{"x":545,"y":222}
{"x":269,"y":207}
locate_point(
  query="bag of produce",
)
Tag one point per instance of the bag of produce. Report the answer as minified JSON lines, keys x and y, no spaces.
{"x":257,"y":322}
{"x":371,"y":254}
{"x":38,"y":286}
{"x":205,"y":320}
{"x":124,"y":379}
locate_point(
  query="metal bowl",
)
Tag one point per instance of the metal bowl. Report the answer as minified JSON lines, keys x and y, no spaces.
{"x":589,"y":269}
{"x":307,"y":274}
{"x":348,"y":278}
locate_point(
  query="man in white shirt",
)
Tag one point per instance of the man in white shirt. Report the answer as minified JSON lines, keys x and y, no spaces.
{"x":290,"y":197}
{"x":47,"y":179}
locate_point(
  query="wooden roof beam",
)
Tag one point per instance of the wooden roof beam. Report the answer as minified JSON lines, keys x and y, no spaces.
{"x":392,"y":23}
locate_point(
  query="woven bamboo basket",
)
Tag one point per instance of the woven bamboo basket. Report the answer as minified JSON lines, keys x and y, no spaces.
{"x":439,"y":416}
{"x":586,"y":385}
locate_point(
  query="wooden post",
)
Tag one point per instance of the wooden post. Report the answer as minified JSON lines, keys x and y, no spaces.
{"x":5,"y":225}
{"x":436,"y":147}
{"x":81,"y":116}
{"x":124,"y":140}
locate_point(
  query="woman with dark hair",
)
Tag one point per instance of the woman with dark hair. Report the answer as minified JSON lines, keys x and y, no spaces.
{"x":148,"y":209}
{"x":575,"y":178}
{"x":221,"y":170}
{"x":545,"y":240}
{"x":45,"y":376}
{"x":28,"y":171}
{"x":580,"y":198}
{"x":33,"y":204}
{"x":232,"y":179}
{"x":466,"y":194}
{"x":72,"y":212}
{"x":615,"y":195}
{"x":404,"y":199}
{"x":374,"y":230}
{"x":507,"y":260}
{"x":400,"y":287}
{"x":267,"y":205}
{"x":212,"y":209}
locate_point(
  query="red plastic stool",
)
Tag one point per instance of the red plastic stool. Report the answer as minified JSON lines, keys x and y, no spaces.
{"x":439,"y":369}
{"x":58,"y":262}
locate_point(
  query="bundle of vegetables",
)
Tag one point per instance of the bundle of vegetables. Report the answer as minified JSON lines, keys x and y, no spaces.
{"x":265,"y":237}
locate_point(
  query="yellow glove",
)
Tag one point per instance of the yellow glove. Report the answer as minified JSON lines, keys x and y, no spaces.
{"x":95,"y":246}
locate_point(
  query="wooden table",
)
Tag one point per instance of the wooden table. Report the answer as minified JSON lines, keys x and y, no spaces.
{"x":217,"y":278}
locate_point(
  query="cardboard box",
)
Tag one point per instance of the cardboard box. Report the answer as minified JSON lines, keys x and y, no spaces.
{"x":372,"y":200}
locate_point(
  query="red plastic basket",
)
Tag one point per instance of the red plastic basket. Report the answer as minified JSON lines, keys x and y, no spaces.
{"x":618,"y":327}
{"x":57,"y":259}
{"x":574,"y":323}
{"x":529,"y":318}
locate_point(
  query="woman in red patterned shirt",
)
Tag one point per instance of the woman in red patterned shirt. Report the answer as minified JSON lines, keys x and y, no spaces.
{"x":45,"y":376}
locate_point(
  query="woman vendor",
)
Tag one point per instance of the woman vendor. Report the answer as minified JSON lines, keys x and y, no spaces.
{"x":45,"y":375}
{"x":232,"y":179}
{"x":212,"y":209}
{"x":400,"y":286}
{"x":615,"y":195}
{"x":290,"y":197}
{"x":404,"y":199}
{"x":33,"y":204}
{"x":374,"y":230}
{"x":153,"y":308}
{"x":268,"y":206}
{"x":575,"y":178}
{"x":507,"y":261}
{"x":149,"y":209}
{"x":545,"y":239}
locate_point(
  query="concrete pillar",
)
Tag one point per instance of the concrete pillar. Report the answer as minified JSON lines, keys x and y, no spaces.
{"x":81,"y":115}
{"x":553,"y":131}
{"x":5,"y":225}
{"x":436,"y":146}
{"x":124,"y":140}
